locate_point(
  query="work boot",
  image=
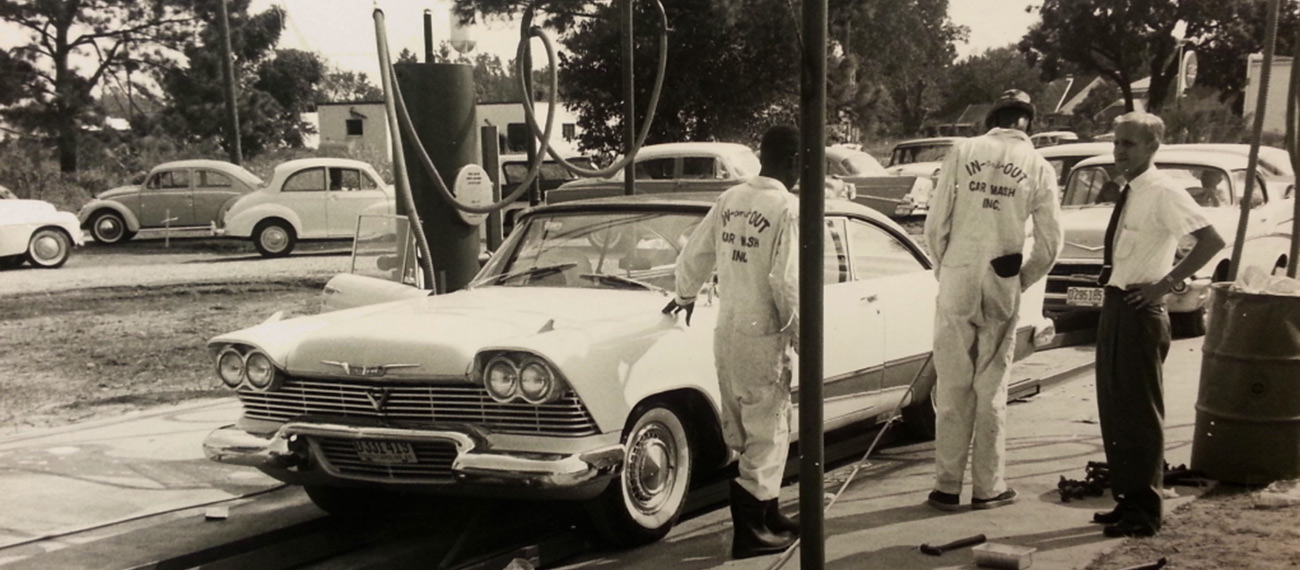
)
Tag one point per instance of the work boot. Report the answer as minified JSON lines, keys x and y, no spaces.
{"x":777,"y":521}
{"x":751,"y":535}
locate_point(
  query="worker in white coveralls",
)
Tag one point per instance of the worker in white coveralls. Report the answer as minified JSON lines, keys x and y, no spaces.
{"x":989,"y":186}
{"x":750,"y":236}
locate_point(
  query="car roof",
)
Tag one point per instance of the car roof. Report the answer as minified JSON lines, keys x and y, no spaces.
{"x":840,"y":152}
{"x":1275,"y":159}
{"x":697,"y":201}
{"x":1077,"y":149}
{"x":218,"y":165}
{"x":310,"y":162}
{"x":675,"y":148}
{"x":1224,"y":160}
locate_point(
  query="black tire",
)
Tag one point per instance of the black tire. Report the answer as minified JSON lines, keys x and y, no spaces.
{"x":919,"y":417}
{"x":12,"y":261}
{"x":274,"y":238}
{"x":108,"y":227}
{"x":644,"y":503}
{"x":352,"y":501}
{"x":49,"y":248}
{"x":1187,"y":325}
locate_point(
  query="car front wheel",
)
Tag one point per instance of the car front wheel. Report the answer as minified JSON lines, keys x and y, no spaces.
{"x":274,"y":238}
{"x":650,"y":493}
{"x":108,"y":228}
{"x":49,"y":248}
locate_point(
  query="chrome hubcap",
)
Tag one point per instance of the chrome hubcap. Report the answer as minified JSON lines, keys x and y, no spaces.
{"x":274,"y":239}
{"x":651,"y":469}
{"x":107,"y":229}
{"x":47,"y":248}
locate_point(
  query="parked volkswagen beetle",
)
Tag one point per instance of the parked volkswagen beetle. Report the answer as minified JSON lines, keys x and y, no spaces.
{"x":177,"y":195}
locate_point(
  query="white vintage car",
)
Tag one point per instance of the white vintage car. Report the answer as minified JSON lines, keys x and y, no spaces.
{"x":33,"y":231}
{"x":1216,"y":179}
{"x":554,"y":375}
{"x":310,"y":198}
{"x":920,"y":158}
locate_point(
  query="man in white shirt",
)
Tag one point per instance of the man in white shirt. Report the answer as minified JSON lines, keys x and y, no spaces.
{"x":1154,"y":211}
{"x":989,"y":187}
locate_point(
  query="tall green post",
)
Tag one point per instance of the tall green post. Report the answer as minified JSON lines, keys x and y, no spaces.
{"x":440,"y":102}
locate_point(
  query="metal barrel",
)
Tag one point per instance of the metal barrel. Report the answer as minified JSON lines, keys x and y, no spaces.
{"x":1248,"y":405}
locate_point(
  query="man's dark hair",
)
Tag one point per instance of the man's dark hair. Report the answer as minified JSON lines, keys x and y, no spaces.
{"x":779,"y":144}
{"x":1006,"y":118}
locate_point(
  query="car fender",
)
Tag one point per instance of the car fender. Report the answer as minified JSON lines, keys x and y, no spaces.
{"x":242,"y":222}
{"x":132,"y":222}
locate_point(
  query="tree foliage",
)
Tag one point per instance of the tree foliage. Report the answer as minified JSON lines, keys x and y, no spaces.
{"x":70,"y":47}
{"x":341,"y":85}
{"x":1224,"y":33}
{"x":981,"y":78}
{"x":274,"y":86}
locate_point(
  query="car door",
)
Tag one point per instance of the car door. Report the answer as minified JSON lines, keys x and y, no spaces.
{"x":167,"y":200}
{"x":853,"y":342}
{"x":351,"y":191}
{"x":212,"y":189}
{"x":304,"y":193}
{"x":893,"y":271}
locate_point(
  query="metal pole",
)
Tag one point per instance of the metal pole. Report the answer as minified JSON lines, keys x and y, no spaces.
{"x":1270,"y":38}
{"x":629,"y":98}
{"x":428,"y":36}
{"x":812,"y":106}
{"x":1293,"y":147}
{"x":530,"y":144}
{"x":490,"y":147}
{"x":228,"y":78}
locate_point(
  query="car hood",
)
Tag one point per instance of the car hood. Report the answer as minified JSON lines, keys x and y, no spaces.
{"x":115,"y":192}
{"x":921,"y":169}
{"x":1085,"y":229}
{"x":440,"y":335}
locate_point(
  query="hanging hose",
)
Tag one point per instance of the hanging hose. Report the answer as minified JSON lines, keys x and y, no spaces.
{"x":399,"y":160}
{"x":911,"y":388}
{"x":525,"y":31}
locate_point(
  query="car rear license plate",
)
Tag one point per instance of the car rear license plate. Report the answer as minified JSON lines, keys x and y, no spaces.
{"x":1083,"y":296}
{"x":387,"y":452}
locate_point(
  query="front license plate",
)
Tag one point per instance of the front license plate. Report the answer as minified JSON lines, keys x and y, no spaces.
{"x":1083,"y":296}
{"x":387,"y":452}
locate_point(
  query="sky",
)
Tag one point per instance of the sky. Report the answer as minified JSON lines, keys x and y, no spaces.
{"x":344,"y":30}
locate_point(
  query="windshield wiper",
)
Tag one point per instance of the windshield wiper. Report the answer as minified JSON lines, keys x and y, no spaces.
{"x":606,"y":277}
{"x":535,"y":271}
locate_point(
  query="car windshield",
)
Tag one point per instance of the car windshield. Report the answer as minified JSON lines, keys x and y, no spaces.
{"x":1208,"y":185}
{"x":862,"y":164}
{"x":919,"y":153}
{"x":599,"y":249}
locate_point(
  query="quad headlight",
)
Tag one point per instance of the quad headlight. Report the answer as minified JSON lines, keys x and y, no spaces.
{"x":252,"y":367}
{"x":519,"y":376}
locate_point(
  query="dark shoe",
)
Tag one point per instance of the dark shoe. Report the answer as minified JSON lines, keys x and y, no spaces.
{"x":1005,"y":498}
{"x":1130,"y":526}
{"x":777,"y":521}
{"x":751,"y":536}
{"x":944,"y":501}
{"x":1108,"y":517}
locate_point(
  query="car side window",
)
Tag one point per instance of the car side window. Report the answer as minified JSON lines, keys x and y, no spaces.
{"x":655,"y":169}
{"x":699,"y":167}
{"x":210,"y":179}
{"x":1258,"y":196}
{"x":875,"y":252}
{"x":1085,"y":187}
{"x":835,"y":261}
{"x":169,"y":180}
{"x":515,"y":172}
{"x":309,"y":180}
{"x":344,"y":179}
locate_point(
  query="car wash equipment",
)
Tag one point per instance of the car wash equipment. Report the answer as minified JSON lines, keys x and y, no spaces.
{"x":1005,"y":556}
{"x":960,"y":543}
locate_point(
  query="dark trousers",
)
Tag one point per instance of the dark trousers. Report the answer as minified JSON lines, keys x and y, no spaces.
{"x":1131,"y":348}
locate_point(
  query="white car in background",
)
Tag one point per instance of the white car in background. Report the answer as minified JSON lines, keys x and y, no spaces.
{"x":920,"y":158}
{"x":311,"y":198}
{"x":33,"y":231}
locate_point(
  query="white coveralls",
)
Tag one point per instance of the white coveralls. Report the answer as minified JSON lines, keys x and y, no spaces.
{"x":751,"y":235}
{"x":988,"y":187}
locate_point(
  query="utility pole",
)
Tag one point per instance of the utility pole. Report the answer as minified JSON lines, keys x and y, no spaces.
{"x":228,"y":78}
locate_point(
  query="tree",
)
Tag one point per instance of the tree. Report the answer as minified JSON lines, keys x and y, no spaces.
{"x":1224,"y":33}
{"x":72,"y":45}
{"x":981,"y":78}
{"x":340,"y":85}
{"x":275,"y":87}
{"x":493,"y":82}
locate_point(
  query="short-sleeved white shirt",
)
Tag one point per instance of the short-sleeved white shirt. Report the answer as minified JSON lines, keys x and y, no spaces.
{"x":1157,"y":213}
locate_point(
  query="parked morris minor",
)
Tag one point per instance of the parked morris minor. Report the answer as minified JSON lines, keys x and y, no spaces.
{"x":310,"y":198}
{"x":33,"y":231}
{"x":1217,"y":181}
{"x":554,"y":375}
{"x":177,"y":195}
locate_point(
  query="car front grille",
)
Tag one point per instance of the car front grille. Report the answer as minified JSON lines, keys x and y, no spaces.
{"x":433,"y":461}
{"x":1066,"y":275}
{"x":405,"y":402}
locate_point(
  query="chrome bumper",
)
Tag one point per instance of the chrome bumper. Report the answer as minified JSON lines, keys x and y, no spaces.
{"x":474,"y":464}
{"x":1194,"y":297}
